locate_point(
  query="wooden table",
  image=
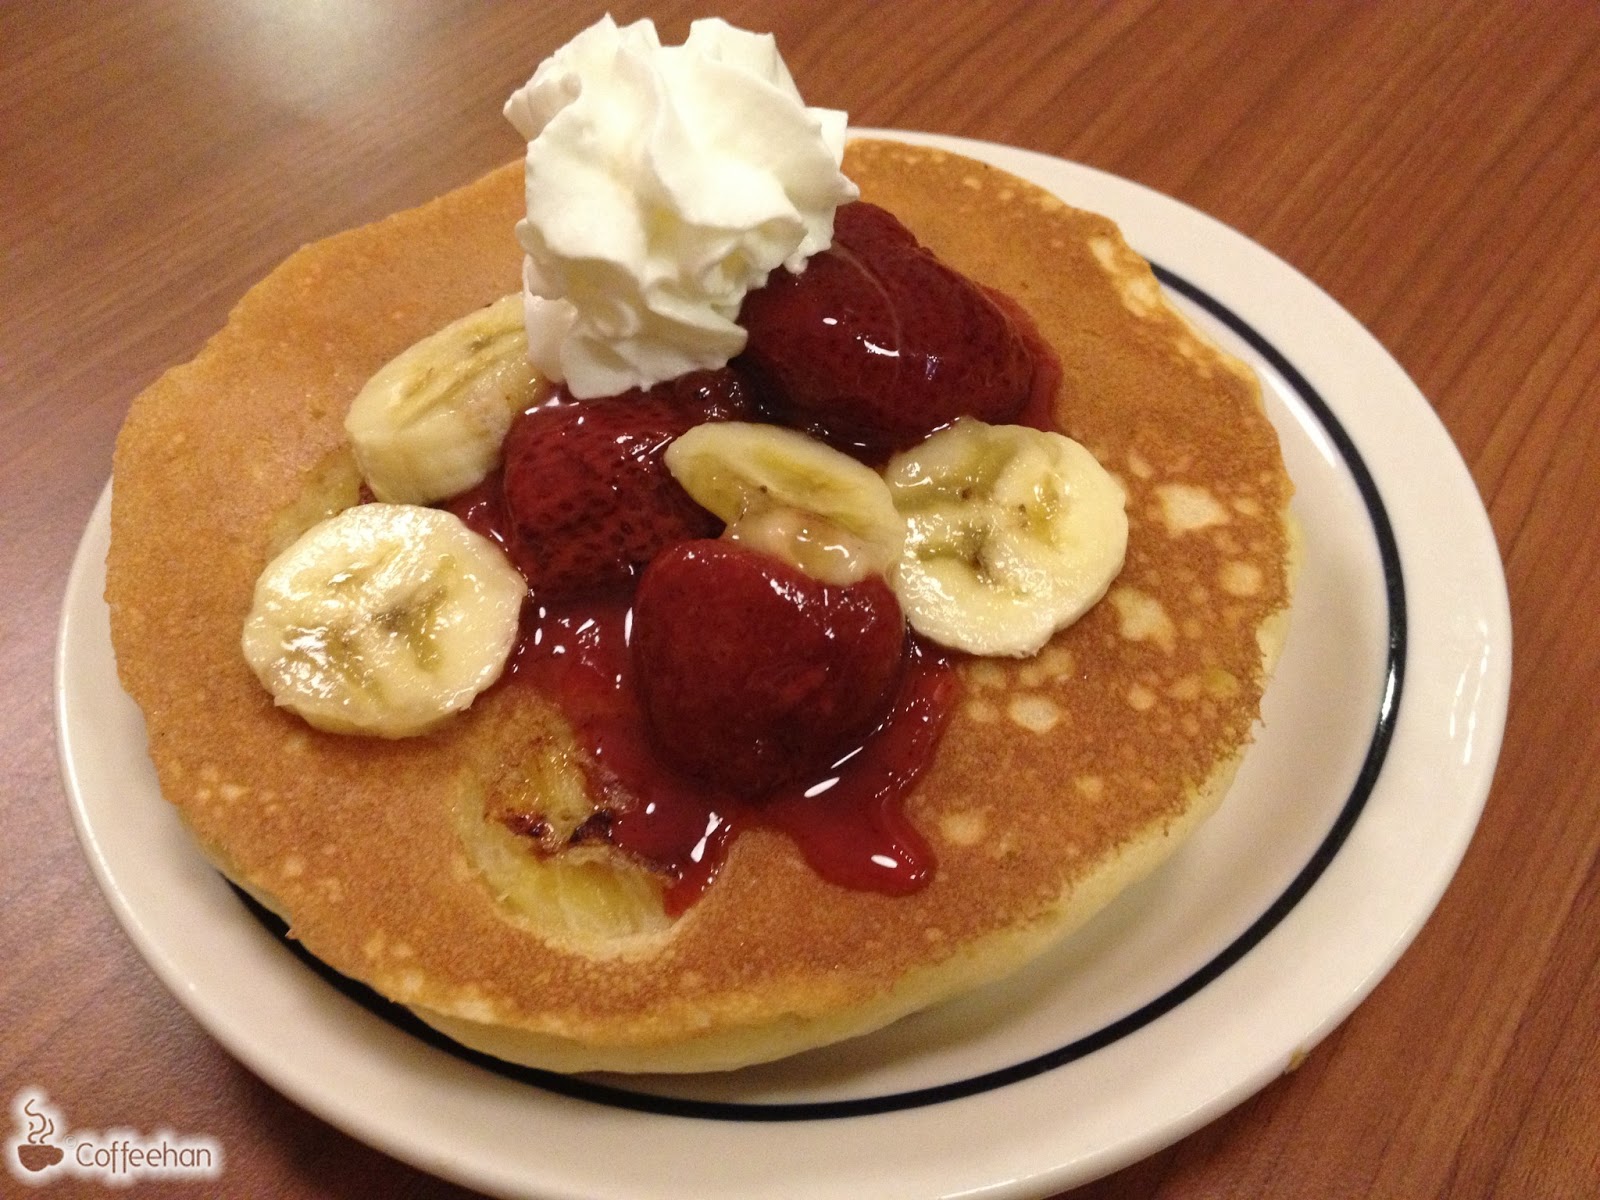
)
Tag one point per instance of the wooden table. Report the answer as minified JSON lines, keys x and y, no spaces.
{"x":1434,"y":166}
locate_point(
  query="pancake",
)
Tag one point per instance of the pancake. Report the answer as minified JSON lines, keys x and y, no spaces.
{"x":1060,"y":780}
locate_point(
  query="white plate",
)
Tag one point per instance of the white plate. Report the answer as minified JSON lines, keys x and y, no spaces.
{"x":1195,"y":989}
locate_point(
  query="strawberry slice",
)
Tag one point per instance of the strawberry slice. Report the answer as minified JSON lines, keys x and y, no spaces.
{"x":587,"y":495}
{"x":799,"y":671}
{"x":877,"y":343}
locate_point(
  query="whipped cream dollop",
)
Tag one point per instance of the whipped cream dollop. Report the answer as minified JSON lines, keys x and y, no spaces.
{"x":664,"y":183}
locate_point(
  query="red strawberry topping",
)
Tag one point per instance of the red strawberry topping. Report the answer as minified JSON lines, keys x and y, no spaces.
{"x":737,"y":691}
{"x":877,"y":343}
{"x":587,"y":495}
{"x":797,"y":673}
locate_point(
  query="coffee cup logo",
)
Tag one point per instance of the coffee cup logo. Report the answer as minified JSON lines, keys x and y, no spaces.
{"x":43,"y":1147}
{"x":38,"y":1152}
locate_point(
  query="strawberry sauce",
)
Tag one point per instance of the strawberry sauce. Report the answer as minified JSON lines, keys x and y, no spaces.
{"x":1039,"y":410}
{"x":874,"y":346}
{"x":847,"y":817}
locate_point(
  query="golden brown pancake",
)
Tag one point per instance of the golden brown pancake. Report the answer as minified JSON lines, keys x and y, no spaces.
{"x":1061,"y":778}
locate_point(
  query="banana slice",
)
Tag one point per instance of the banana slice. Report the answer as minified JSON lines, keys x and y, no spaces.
{"x":1012,"y":534}
{"x":384,"y":619}
{"x":429,"y":424}
{"x":791,"y":496}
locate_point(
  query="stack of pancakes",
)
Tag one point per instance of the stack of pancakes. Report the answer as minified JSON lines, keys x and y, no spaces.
{"x":1061,"y":779}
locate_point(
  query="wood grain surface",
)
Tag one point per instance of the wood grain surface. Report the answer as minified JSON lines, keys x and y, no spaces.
{"x":1433,"y":166}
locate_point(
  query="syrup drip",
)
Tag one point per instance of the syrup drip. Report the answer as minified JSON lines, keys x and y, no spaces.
{"x":847,"y":820}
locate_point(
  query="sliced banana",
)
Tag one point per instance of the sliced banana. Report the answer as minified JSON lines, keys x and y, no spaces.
{"x":1012,"y":534}
{"x":430,"y":423}
{"x":791,"y":496}
{"x":384,"y":619}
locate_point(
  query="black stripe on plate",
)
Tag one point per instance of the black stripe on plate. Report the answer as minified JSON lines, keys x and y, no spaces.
{"x":590,"y":1089}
